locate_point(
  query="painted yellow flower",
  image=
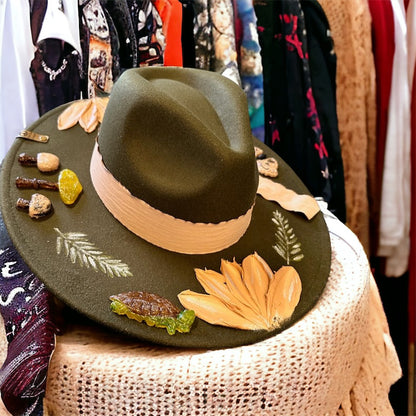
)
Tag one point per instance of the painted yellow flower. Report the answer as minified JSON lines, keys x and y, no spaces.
{"x":247,"y":296}
{"x":87,"y":112}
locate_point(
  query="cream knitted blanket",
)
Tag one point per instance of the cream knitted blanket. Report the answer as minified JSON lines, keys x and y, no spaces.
{"x":338,"y":360}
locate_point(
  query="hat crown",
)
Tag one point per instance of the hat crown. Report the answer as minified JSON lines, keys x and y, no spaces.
{"x":180,"y":140}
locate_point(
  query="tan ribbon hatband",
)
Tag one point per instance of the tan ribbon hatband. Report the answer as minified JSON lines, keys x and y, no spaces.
{"x":157,"y":227}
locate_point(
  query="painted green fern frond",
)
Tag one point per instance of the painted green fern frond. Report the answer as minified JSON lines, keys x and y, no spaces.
{"x":77,"y":247}
{"x":287,"y":244}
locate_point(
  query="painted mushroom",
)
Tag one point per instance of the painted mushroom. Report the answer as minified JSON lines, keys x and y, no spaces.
{"x":45,"y":162}
{"x":38,"y":207}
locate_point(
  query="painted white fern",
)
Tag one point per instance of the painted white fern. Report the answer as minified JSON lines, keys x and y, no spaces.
{"x":78,"y":248}
{"x":287,"y":244}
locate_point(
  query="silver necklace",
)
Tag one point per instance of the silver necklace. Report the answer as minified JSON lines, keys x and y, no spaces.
{"x":52,"y":72}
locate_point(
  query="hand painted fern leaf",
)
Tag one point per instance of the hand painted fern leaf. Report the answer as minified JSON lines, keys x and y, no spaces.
{"x":78,"y":248}
{"x":287,"y":244}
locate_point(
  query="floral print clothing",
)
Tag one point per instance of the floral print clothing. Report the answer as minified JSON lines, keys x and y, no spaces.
{"x":250,"y":65}
{"x":293,"y":121}
{"x":222,"y":17}
{"x":147,"y":26}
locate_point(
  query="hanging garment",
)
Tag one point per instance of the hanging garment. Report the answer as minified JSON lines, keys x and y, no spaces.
{"x":28,"y":321}
{"x":411,"y":39}
{"x":187,"y":34}
{"x":350,"y":23}
{"x":250,"y":65}
{"x":322,"y":64}
{"x":115,"y":46}
{"x":203,"y":38}
{"x":411,"y":25}
{"x":382,"y":25}
{"x":97,"y":53}
{"x":147,"y":25}
{"x":55,"y":72}
{"x":55,"y":67}
{"x":223,"y":35}
{"x":18,"y":102}
{"x":293,"y":127}
{"x":61,"y":22}
{"x":37,"y":14}
{"x":170,"y":11}
{"x":394,"y":240}
{"x":34,"y":327}
{"x":121,"y":18}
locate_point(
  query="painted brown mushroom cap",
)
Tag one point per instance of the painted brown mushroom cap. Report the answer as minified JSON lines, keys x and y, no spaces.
{"x":39,"y":206}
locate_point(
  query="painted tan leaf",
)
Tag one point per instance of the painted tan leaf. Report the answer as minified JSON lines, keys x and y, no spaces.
{"x":212,"y":310}
{"x":101,"y":104}
{"x":232,"y":272}
{"x":256,"y":280}
{"x":88,"y":113}
{"x":286,"y":198}
{"x":250,"y":296}
{"x":70,"y":116}
{"x":284,"y":294}
{"x":214,"y":284}
{"x":89,"y":118}
{"x":266,"y":267}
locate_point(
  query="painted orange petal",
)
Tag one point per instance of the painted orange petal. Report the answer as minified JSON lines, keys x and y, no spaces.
{"x":71,"y":115}
{"x":232,"y":272}
{"x":89,"y":118}
{"x":212,"y":310}
{"x":211,"y":273}
{"x":266,"y":267}
{"x":284,"y":295}
{"x":101,"y":104}
{"x":214,"y":284}
{"x":256,"y":280}
{"x":237,"y":266}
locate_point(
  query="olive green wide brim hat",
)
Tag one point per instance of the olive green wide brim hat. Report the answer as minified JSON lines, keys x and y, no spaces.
{"x":179,"y":141}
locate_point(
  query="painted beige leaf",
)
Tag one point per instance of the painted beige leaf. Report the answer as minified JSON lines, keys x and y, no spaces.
{"x":287,"y":244}
{"x":70,"y":116}
{"x":286,"y":198}
{"x":284,"y":295}
{"x":266,"y":267}
{"x":232,"y":272}
{"x":250,"y":296}
{"x":89,"y":120}
{"x":78,"y":248}
{"x":88,"y":113}
{"x":101,"y":104}
{"x":214,"y":284}
{"x":256,"y":280}
{"x":212,"y":310}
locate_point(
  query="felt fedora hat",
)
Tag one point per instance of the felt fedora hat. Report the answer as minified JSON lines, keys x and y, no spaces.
{"x":170,"y":184}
